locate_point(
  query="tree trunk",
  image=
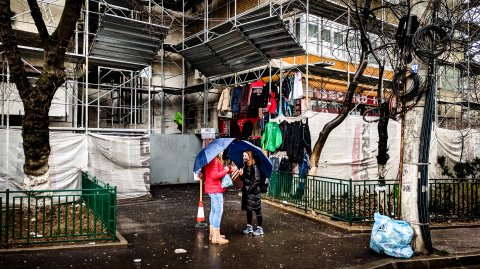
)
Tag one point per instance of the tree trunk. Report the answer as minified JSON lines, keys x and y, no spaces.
{"x":382,"y":128}
{"x":37,"y":99}
{"x":36,"y":142}
{"x":346,"y":108}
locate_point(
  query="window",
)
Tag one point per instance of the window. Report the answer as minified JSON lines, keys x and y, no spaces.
{"x":352,"y":41}
{"x":449,"y":78}
{"x":312,"y":30}
{"x":297,"y":28}
{"x":338,"y":38}
{"x":326,"y":35}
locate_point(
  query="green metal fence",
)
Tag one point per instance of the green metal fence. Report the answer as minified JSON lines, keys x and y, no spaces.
{"x":56,"y":216}
{"x":357,"y":201}
{"x":454,"y":199}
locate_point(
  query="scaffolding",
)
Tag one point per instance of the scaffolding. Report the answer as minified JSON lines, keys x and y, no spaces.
{"x":131,"y":65}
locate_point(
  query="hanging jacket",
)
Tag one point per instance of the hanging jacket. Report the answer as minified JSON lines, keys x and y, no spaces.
{"x":295,"y":135}
{"x":257,"y":94}
{"x":244,"y":99}
{"x":307,"y":140}
{"x":224,"y":101}
{"x":271,"y":137}
{"x":305,"y":165}
{"x":236,"y":94}
{"x":285,"y":165}
{"x":297,"y":86}
{"x":214,"y":172}
{"x":272,"y":103}
{"x":284,"y":126}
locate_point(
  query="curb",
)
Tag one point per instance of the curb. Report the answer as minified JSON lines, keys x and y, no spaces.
{"x":120,"y":244}
{"x":317,"y":218}
{"x":345,"y":228}
{"x":457,"y":261}
{"x":460,"y":260}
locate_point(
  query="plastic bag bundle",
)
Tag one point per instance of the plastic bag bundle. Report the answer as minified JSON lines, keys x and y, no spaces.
{"x":391,"y":237}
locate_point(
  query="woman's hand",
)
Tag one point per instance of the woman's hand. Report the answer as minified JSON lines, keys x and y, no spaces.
{"x":226,"y":169}
{"x":241,"y":172}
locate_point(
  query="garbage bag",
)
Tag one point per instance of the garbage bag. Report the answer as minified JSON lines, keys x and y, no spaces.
{"x":391,"y":237}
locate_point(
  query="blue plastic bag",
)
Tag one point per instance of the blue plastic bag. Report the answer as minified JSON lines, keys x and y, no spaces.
{"x":391,"y":237}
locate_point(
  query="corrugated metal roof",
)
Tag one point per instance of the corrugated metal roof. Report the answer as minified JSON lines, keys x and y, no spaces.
{"x":257,"y":38}
{"x":127,"y":40}
{"x":228,"y":53}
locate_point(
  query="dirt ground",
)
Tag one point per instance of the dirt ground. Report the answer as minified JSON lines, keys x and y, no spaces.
{"x":46,"y":225}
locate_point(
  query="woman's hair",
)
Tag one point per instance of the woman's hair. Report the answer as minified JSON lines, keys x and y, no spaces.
{"x":251,"y":161}
{"x":220,"y":157}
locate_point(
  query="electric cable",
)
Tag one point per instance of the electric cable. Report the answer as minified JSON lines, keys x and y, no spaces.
{"x":399,"y":81}
{"x":431,"y":41}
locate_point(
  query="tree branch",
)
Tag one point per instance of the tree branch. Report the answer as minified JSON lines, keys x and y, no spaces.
{"x":38,"y":19}
{"x":68,"y":22}
{"x":9,"y":42}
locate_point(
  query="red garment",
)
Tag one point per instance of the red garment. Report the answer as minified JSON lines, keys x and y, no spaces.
{"x":272,"y":103}
{"x":242,"y":122}
{"x":214,"y":172}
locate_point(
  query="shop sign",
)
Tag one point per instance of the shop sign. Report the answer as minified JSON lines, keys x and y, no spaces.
{"x":326,"y":95}
{"x":207,"y":133}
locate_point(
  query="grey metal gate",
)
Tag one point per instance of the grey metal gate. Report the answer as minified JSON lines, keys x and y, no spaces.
{"x":172,"y":157}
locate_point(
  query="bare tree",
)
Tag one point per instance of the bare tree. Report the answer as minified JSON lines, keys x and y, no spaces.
{"x":362,"y":16}
{"x":37,"y":97}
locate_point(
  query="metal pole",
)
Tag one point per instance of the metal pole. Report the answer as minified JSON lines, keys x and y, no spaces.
{"x":307,"y":60}
{"x":85,"y":47}
{"x":8,"y":99}
{"x":205,"y":102}
{"x":98,"y":97}
{"x":183,"y":110}
{"x":162,"y":114}
{"x":3,"y":96}
{"x":149,"y":99}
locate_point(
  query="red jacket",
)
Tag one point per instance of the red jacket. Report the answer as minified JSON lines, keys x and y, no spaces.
{"x":214,"y":172}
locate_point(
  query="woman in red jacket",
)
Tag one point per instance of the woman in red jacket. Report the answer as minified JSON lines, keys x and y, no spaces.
{"x":214,"y":172}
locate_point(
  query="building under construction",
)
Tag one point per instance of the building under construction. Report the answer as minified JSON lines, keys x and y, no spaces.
{"x":145,"y":68}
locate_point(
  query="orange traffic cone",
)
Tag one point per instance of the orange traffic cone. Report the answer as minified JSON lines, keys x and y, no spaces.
{"x":200,"y":216}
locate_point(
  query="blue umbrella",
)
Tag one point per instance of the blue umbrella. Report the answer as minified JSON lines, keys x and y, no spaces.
{"x":235,"y":153}
{"x":207,"y":154}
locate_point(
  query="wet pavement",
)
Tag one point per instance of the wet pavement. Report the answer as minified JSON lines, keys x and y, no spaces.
{"x":156,"y":227}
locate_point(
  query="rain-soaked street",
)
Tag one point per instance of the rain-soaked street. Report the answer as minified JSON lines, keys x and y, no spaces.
{"x":156,"y":227}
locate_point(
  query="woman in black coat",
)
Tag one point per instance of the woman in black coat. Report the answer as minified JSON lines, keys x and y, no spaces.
{"x":251,"y":193}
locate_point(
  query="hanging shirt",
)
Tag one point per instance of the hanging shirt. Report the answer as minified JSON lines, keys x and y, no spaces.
{"x":271,"y":137}
{"x":297,"y":86}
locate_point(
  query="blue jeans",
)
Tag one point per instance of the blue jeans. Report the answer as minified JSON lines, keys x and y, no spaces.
{"x":216,"y":211}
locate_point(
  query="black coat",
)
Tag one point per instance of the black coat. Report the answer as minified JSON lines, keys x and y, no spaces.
{"x":251,"y":192}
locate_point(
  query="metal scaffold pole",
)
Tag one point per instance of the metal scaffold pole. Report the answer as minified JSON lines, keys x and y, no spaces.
{"x":86,"y":53}
{"x":306,"y":58}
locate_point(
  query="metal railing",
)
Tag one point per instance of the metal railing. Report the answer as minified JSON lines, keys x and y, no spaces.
{"x":55,"y":216}
{"x":357,"y":201}
{"x":454,"y":199}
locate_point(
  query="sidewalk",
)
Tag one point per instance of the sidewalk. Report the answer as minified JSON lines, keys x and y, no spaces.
{"x":156,"y":227}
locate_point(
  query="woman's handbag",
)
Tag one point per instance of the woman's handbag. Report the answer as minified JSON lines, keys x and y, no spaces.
{"x":227,"y":181}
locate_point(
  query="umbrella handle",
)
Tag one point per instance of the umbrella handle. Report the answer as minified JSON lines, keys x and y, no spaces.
{"x":201,"y":190}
